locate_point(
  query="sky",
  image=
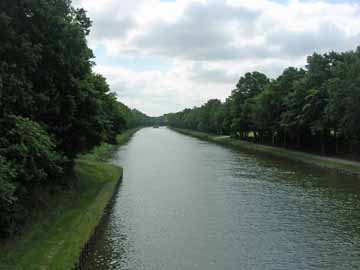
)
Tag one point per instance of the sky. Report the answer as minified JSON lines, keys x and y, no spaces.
{"x":163,"y":56}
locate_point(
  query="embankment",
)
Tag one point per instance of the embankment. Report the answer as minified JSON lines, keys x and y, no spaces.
{"x":104,"y":151}
{"x":59,"y":233}
{"x":341,"y":166}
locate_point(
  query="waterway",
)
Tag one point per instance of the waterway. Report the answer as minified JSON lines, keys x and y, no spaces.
{"x":189,"y":204}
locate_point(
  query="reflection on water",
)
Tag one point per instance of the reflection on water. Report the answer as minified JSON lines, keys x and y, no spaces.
{"x":189,"y":204}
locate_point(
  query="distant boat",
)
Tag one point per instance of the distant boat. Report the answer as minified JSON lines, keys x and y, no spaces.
{"x":155,"y":126}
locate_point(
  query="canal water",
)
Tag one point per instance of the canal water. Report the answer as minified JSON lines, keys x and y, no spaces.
{"x":189,"y":204}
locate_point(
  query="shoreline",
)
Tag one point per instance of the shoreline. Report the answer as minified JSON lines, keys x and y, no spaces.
{"x":62,"y":232}
{"x":341,"y":166}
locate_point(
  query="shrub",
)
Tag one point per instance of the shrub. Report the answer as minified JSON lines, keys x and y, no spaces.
{"x":28,"y":146}
{"x":7,"y":196}
{"x":27,"y":158}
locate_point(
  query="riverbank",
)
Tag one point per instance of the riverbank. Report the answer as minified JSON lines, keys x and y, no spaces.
{"x":60,"y":230}
{"x":105,"y":150}
{"x":339,"y":165}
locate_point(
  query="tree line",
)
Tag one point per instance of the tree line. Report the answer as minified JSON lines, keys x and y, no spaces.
{"x":316,"y":108}
{"x":52,"y":105}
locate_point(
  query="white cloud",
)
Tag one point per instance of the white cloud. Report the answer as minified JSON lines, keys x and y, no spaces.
{"x":157,"y":92}
{"x":211,"y":43}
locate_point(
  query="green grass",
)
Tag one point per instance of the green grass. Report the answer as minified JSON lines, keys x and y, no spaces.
{"x":58,"y":232}
{"x":340,"y":165}
{"x":105,"y":150}
{"x":56,"y":240}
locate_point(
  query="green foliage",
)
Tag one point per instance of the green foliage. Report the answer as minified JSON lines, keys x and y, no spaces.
{"x":315,"y":109}
{"x":59,"y":230}
{"x":53,"y":107}
{"x":105,"y":150}
{"x":27,"y":158}
{"x":29,"y":148}
{"x":46,"y":75}
{"x":7,"y":186}
{"x":209,"y":117}
{"x":135,"y":118}
{"x":7,"y":194}
{"x":98,"y":117}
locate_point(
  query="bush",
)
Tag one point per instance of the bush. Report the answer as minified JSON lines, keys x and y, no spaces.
{"x":7,"y":197}
{"x":27,"y":157}
{"x":28,"y":146}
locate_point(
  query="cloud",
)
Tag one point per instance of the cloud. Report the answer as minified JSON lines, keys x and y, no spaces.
{"x":205,"y":75}
{"x":198,"y":49}
{"x":204,"y":32}
{"x":299,"y":43}
{"x":112,"y":20}
{"x":157,"y":92}
{"x":107,"y":29}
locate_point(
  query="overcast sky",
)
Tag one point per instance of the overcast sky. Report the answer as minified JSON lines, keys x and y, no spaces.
{"x":161,"y":56}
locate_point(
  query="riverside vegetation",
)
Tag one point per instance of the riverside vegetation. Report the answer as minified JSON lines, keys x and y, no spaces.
{"x":342,"y":166}
{"x":53,"y":109}
{"x":59,"y":120}
{"x":314,"y":109}
{"x":59,"y":231}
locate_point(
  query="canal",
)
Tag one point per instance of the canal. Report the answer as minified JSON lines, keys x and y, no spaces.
{"x":190,"y":204}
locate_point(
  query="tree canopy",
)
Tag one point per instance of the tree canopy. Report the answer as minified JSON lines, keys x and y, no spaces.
{"x":52,"y":105}
{"x":315,"y":109}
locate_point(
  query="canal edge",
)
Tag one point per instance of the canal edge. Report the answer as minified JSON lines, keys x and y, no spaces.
{"x":89,"y":244}
{"x":318,"y":162}
{"x":105,"y":157}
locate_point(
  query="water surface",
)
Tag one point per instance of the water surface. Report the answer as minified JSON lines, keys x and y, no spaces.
{"x":190,"y":204}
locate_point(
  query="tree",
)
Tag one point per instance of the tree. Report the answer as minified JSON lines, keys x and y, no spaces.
{"x":242,"y":101}
{"x":312,"y":109}
{"x":27,"y":158}
{"x":7,"y":195}
{"x":52,"y":106}
{"x":267,"y":110}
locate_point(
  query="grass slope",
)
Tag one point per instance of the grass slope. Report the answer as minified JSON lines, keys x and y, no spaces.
{"x":340,"y":165}
{"x":105,"y":150}
{"x":55,"y":238}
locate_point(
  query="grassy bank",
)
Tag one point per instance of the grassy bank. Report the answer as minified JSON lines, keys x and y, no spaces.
{"x":105,"y":150}
{"x":54,"y":240}
{"x":339,"y":165}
